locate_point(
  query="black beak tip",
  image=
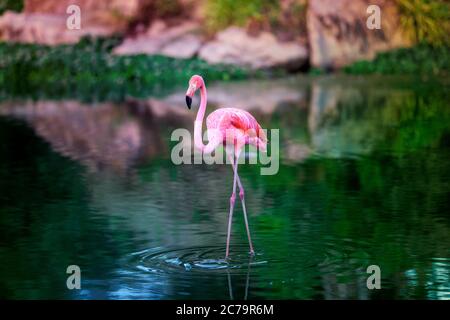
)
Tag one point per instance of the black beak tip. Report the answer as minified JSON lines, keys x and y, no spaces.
{"x":188,"y":102}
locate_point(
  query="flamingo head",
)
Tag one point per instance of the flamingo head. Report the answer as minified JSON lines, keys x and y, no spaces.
{"x":195,"y":83}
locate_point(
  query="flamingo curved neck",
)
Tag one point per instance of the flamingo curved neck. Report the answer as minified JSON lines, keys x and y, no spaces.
{"x":198,"y":141}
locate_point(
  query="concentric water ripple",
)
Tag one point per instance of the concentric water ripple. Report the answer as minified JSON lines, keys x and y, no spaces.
{"x":195,"y":259}
{"x":203,"y":259}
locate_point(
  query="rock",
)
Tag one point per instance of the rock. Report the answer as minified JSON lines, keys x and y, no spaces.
{"x":338,"y":34}
{"x":184,"y":47}
{"x":129,"y":7}
{"x":44,"y":21}
{"x":234,"y":46}
{"x":44,"y":29}
{"x":107,"y":13}
{"x":179,"y":41}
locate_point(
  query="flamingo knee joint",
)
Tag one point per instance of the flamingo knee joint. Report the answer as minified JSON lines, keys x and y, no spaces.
{"x":232,"y":199}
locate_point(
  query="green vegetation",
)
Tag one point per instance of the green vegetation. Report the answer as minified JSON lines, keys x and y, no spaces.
{"x":425,"y":20}
{"x":13,"y":5}
{"x":222,"y":13}
{"x":421,"y":59}
{"x":256,"y":15}
{"x":89,"y":70}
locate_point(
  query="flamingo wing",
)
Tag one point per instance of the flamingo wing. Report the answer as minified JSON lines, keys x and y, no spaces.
{"x":245,"y":122}
{"x":244,"y":125}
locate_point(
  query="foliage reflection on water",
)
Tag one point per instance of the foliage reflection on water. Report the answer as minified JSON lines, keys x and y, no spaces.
{"x":364,"y":179}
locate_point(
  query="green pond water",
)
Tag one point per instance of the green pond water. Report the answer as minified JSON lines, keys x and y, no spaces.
{"x":363,"y":179}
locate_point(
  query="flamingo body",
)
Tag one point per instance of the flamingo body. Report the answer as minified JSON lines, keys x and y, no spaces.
{"x":236,"y":126}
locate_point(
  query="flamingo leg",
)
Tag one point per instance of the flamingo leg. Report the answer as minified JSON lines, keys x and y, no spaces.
{"x":232,"y":201}
{"x":242,"y":196}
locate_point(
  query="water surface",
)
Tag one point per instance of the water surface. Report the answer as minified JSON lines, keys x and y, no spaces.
{"x":364,"y":180}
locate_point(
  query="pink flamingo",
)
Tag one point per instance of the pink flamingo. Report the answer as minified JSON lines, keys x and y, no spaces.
{"x":226,"y":126}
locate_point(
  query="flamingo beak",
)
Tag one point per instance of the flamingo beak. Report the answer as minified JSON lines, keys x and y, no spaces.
{"x":189,"y":94}
{"x":188,"y":102}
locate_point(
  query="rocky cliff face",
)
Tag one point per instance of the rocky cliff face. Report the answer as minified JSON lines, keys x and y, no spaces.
{"x":44,"y":29}
{"x":336,"y":31}
{"x":338,"y":34}
{"x":112,"y":14}
{"x":44,"y":21}
{"x":91,"y":7}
